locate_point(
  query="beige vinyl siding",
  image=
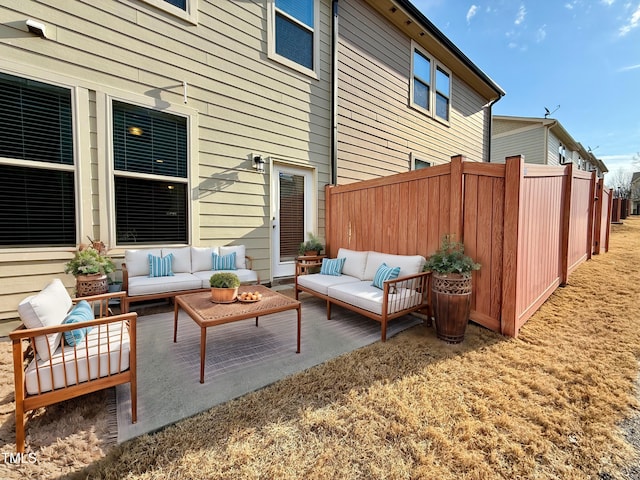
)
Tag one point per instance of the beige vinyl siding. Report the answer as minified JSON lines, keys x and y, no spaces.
{"x":239,"y":101}
{"x":377,"y":130}
{"x":529,"y":142}
{"x":552,"y":149}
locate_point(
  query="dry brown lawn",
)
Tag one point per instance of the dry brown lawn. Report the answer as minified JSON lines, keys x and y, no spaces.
{"x":547,"y":405}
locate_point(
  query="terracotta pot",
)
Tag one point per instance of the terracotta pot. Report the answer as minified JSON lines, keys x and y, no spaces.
{"x":451,"y":298}
{"x":224,"y":295}
{"x":87,"y":285}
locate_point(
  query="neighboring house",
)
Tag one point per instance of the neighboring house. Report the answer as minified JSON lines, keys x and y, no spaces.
{"x":635,"y":193}
{"x":148,"y":122}
{"x":540,"y":140}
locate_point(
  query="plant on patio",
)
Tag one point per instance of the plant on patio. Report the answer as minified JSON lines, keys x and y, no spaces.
{"x":312,"y":245}
{"x":89,"y":261}
{"x":224,"y":280}
{"x":451,"y":289}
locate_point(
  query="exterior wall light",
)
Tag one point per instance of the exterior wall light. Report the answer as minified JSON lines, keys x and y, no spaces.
{"x":258,"y":163}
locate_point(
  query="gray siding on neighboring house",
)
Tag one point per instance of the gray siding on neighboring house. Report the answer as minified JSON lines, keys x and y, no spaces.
{"x":553,"y":143}
{"x":529,"y":142}
{"x":377,"y":129}
{"x":238,"y":102}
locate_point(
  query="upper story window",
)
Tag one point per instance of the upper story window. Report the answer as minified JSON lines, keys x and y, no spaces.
{"x":430,"y":88}
{"x":150,"y":151}
{"x":37,"y":172}
{"x":294,"y":34}
{"x":185,"y":9}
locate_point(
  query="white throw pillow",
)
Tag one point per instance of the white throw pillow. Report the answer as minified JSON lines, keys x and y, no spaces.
{"x":201,"y":258}
{"x":181,"y":259}
{"x":138,"y":261}
{"x":241,"y":261}
{"x":47,"y":308}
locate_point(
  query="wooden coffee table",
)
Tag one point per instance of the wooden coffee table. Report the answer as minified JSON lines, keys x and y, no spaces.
{"x":208,"y":314}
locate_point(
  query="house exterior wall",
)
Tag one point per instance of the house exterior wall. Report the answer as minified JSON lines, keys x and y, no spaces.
{"x":377,"y":129}
{"x":238,"y":102}
{"x":528,"y":141}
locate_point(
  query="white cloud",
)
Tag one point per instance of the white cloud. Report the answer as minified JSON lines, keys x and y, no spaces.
{"x":541,"y":34}
{"x":629,"y":67}
{"x":522,"y":12}
{"x":568,"y":6}
{"x":472,"y":13}
{"x":608,"y":3}
{"x":633,"y":22}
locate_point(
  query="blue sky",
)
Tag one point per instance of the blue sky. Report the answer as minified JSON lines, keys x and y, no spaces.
{"x":579,"y":54}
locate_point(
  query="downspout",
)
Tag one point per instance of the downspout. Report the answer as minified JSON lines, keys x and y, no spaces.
{"x":490,"y":134}
{"x":334,"y":95}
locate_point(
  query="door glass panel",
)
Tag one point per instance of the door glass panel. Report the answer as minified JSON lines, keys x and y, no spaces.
{"x":291,"y":215}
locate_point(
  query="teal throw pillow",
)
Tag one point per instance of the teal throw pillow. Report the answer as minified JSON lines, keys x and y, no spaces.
{"x":160,"y":266}
{"x":82,"y":312}
{"x":224,"y":262}
{"x":383,"y":274}
{"x":332,"y":266}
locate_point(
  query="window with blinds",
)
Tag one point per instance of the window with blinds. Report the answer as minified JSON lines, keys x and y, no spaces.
{"x":151,"y":205}
{"x":37,"y":190}
{"x":291,"y":215}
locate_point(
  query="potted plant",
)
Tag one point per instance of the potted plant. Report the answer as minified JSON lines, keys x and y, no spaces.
{"x":451,"y":289}
{"x":313,"y":246}
{"x":224,"y":287}
{"x":90,"y":267}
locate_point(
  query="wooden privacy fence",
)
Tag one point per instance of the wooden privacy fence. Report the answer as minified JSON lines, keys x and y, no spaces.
{"x":529,"y":226}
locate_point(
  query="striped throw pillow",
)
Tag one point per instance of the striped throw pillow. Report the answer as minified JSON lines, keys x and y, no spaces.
{"x":332,"y":266}
{"x":383,"y":274}
{"x":160,"y":266}
{"x":224,"y":262}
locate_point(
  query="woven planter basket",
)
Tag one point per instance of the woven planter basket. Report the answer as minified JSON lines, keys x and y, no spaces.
{"x":87,"y":285}
{"x":451,"y":297}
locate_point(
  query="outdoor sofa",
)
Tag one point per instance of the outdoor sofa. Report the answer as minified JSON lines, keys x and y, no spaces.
{"x":364,"y":282}
{"x":149,"y":274}
{"x":68,"y":347}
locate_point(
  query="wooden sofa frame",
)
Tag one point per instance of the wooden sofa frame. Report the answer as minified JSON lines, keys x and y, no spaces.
{"x":23,"y":342}
{"x":170,"y":294}
{"x":419,"y":282}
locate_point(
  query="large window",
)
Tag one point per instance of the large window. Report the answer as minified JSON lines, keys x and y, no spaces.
{"x":430,"y":85}
{"x":150,"y":175}
{"x":37,"y":190}
{"x":294,"y":33}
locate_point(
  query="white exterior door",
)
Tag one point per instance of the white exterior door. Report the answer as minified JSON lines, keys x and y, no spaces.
{"x":292,"y":215}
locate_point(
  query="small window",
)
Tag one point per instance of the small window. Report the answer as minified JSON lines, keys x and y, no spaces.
{"x":294,"y":33}
{"x":430,"y":89}
{"x":37,"y":172}
{"x":185,"y":9}
{"x":417,"y":163}
{"x":150,"y":175}
{"x":421,"y":80}
{"x":443,"y":85}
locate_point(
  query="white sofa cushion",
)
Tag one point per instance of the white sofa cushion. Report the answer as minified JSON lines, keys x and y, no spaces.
{"x":241,"y":261}
{"x":144,"y":285}
{"x":181,"y":259}
{"x":321,"y":283}
{"x":47,"y":308}
{"x":355,"y":263}
{"x":409,"y":264}
{"x":111,"y":359}
{"x":366,"y":296}
{"x":245,"y":275}
{"x":138,"y":261}
{"x":202,"y":259}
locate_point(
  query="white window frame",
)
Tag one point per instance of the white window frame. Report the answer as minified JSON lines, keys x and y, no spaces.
{"x":271,"y":37}
{"x":413,"y":159}
{"x":192,"y":207}
{"x":190,"y":14}
{"x":433,"y":87}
